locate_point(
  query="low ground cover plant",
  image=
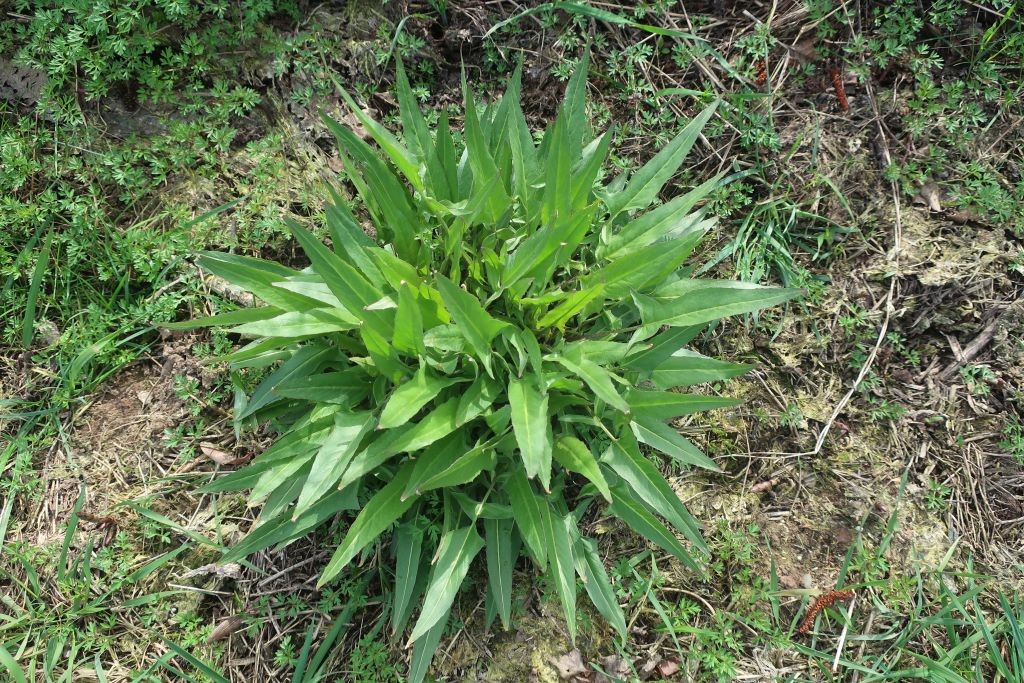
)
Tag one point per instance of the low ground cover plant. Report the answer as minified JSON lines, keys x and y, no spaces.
{"x":498,"y":359}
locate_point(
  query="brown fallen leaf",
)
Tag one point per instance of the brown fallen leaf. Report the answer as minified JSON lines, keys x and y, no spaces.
{"x":215,"y":454}
{"x":226,"y":627}
{"x":668,"y":667}
{"x":762,"y":486}
{"x":648,"y":668}
{"x":569,"y":665}
{"x":930,"y":195}
{"x":616,"y":667}
{"x":231,"y":570}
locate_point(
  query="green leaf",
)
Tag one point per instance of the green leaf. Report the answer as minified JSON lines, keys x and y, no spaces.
{"x":403,"y":160}
{"x":597,"y":378}
{"x":408,"y":336}
{"x":530,"y":512}
{"x":575,"y":303}
{"x":352,"y":289}
{"x":436,"y":425}
{"x":413,"y":124}
{"x":599,"y":588}
{"x":695,"y":302}
{"x":660,"y":436}
{"x":574,"y":108}
{"x":303,"y":362}
{"x":686,"y":368}
{"x":454,"y":555}
{"x":573,"y":455}
{"x":293,"y":324}
{"x":385,"y":196}
{"x":258,"y":277}
{"x":627,"y":508}
{"x":344,"y":387}
{"x":478,"y":398}
{"x":671,"y":218}
{"x":648,"y":355}
{"x":557,"y":179}
{"x":238,"y":317}
{"x":349,"y":239}
{"x":584,"y":175}
{"x":438,"y":468}
{"x":380,"y":512}
{"x":408,"y":541}
{"x":491,"y":194}
{"x":643,"y":268}
{"x":624,"y":457}
{"x":410,"y":397}
{"x":500,"y":564}
{"x":475,"y":324}
{"x":333,"y":457}
{"x":532,"y":426}
{"x":424,"y":649}
{"x":643,"y":187}
{"x":563,"y":565}
{"x":665,"y":405}
{"x":539,"y":251}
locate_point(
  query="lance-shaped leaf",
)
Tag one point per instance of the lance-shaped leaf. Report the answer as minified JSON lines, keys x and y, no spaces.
{"x":401,"y":157}
{"x":573,"y":304}
{"x":333,"y":457}
{"x":258,"y":277}
{"x":695,"y":302}
{"x":424,"y":649}
{"x":530,"y":512}
{"x":437,"y":424}
{"x":408,"y":337}
{"x":532,"y":426}
{"x":441,"y":467}
{"x":598,"y":586}
{"x":410,"y":397}
{"x":302,"y":363}
{"x":454,"y":555}
{"x":384,"y":194}
{"x":573,"y":455}
{"x":630,"y":510}
{"x":294,"y":324}
{"x":673,"y":218}
{"x":597,"y":378}
{"x":408,"y":542}
{"x":665,"y":405}
{"x":660,"y":436}
{"x":642,"y":269}
{"x":624,"y":457}
{"x":500,"y":563}
{"x":643,"y":187}
{"x":352,"y":289}
{"x":380,"y":512}
{"x":475,"y":324}
{"x":563,"y":565}
{"x":685,"y":368}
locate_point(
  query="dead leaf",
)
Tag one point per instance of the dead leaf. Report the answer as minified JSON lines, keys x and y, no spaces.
{"x":668,"y":667}
{"x":616,"y":667}
{"x":805,"y":52}
{"x":215,"y":454}
{"x":231,"y":570}
{"x":649,"y":666}
{"x":569,"y":665}
{"x":226,"y":627}
{"x":930,"y":195}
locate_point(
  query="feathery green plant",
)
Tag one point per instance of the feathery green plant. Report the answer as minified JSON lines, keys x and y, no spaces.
{"x":489,"y":365}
